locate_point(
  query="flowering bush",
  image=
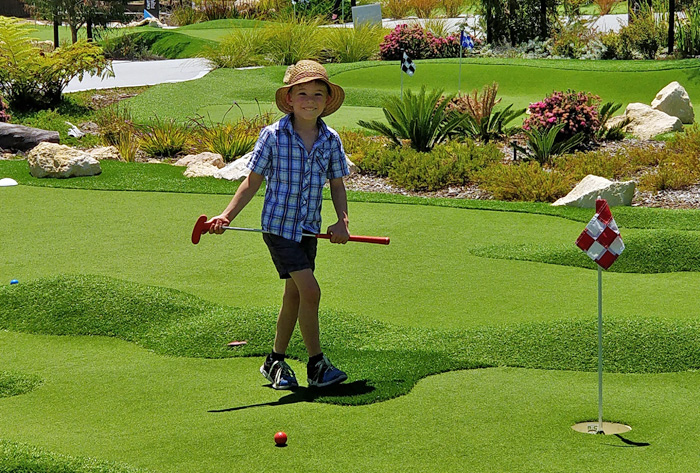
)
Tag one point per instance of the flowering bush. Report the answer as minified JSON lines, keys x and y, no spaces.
{"x":4,"y":114}
{"x":578,"y":111}
{"x":418,"y":43}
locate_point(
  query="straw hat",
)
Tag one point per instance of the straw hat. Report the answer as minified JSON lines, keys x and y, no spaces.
{"x":307,"y":71}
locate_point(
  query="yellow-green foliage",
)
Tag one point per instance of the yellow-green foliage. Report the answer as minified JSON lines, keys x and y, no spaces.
{"x":33,"y":79}
{"x":525,"y":181}
{"x":353,"y":44}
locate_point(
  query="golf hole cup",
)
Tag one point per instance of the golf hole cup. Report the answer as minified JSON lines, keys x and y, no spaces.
{"x":280,"y":439}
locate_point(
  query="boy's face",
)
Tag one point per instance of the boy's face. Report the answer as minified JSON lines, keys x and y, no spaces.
{"x":308,"y":100}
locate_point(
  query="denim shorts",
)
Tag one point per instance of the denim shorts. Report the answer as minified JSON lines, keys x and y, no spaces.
{"x":289,"y":255}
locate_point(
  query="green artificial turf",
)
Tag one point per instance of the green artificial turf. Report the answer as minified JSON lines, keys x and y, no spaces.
{"x":367,"y":84}
{"x":384,"y":361}
{"x":21,"y":458}
{"x":14,"y":384}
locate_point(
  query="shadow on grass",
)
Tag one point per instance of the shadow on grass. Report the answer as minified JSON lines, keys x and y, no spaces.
{"x":629,"y":443}
{"x":302,"y":394}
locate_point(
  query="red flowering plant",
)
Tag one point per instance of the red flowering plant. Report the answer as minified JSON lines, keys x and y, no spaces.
{"x":577,"y":111}
{"x":416,"y":41}
{"x":4,"y":114}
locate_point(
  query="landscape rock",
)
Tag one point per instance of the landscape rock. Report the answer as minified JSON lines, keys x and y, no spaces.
{"x":105,"y":153}
{"x":7,"y":182}
{"x":23,"y":138}
{"x":214,"y":159}
{"x":54,"y":160}
{"x":674,"y":100}
{"x":235,"y":170}
{"x":647,"y":122}
{"x":200,"y":170}
{"x":587,"y":191}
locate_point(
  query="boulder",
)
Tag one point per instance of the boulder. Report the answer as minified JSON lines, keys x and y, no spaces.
{"x":214,"y":159}
{"x":53,"y":160}
{"x":674,"y":100}
{"x":200,"y":170}
{"x":23,"y":138}
{"x":587,"y":191}
{"x":105,"y":153}
{"x":235,"y":170}
{"x":647,"y":122}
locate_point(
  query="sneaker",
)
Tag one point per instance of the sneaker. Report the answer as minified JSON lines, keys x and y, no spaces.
{"x":324,"y":374}
{"x":280,"y":374}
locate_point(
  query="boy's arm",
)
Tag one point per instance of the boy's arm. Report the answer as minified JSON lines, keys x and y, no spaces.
{"x":244,"y":194}
{"x":339,"y":230}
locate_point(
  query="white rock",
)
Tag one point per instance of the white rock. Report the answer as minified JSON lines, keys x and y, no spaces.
{"x":7,"y":182}
{"x":235,"y":170}
{"x":200,"y":170}
{"x":214,"y":159}
{"x":105,"y":153}
{"x":587,"y":191}
{"x":54,"y":160}
{"x":674,"y":100}
{"x":647,"y":122}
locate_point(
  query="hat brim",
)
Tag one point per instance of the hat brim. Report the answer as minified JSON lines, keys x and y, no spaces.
{"x":337,"y":96}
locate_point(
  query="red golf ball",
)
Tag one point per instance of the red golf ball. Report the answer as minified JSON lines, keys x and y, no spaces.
{"x":280,"y":438}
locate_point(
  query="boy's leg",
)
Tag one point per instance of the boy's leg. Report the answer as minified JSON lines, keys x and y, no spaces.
{"x":287,"y":319}
{"x":307,"y":315}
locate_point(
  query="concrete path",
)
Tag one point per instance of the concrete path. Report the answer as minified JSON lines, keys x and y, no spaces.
{"x":136,"y":73}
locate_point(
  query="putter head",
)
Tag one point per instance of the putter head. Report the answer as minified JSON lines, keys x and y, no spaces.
{"x":200,"y":227}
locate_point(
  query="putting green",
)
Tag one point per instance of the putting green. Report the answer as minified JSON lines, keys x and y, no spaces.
{"x":111,"y":400}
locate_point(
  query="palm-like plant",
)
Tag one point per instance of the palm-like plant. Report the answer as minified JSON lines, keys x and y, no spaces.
{"x":542,"y":145}
{"x":420,"y":118}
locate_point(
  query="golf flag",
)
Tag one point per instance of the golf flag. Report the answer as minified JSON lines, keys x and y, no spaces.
{"x":601,"y":238}
{"x":407,"y":65}
{"x":147,"y":15}
{"x":465,"y":40}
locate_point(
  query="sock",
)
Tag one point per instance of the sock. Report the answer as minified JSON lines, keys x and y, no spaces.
{"x":272,"y":357}
{"x":314,"y":359}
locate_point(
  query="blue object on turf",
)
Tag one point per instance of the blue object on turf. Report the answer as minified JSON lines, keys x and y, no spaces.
{"x":14,"y":281}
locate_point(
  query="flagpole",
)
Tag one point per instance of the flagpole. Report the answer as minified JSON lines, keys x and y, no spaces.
{"x":600,"y":350}
{"x":459,"y":81}
{"x":401,"y":72}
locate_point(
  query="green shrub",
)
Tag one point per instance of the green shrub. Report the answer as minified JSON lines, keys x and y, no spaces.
{"x":572,"y":39}
{"x":666,"y":176}
{"x":688,"y":31}
{"x":616,"y":166}
{"x":226,"y":140}
{"x":164,"y":138}
{"x":543,"y":144}
{"x":293,"y":40}
{"x":367,"y":152}
{"x":420,"y":118}
{"x":31,"y":79}
{"x":353,"y":44}
{"x":448,"y":164}
{"x":185,"y":15}
{"x":616,"y":132}
{"x":523,"y":182}
{"x":243,"y":47}
{"x":614,"y":47}
{"x":114,"y":122}
{"x":644,"y":33}
{"x":130,"y":47}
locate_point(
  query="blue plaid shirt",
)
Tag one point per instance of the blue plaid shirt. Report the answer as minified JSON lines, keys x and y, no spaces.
{"x":295,"y":177}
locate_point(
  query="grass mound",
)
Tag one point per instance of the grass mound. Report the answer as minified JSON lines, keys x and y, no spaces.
{"x":167,"y":44}
{"x":14,"y":384}
{"x":19,"y":458}
{"x":384,"y":361}
{"x":646,"y":251}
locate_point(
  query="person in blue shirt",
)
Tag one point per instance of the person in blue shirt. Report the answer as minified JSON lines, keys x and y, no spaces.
{"x":295,"y":156}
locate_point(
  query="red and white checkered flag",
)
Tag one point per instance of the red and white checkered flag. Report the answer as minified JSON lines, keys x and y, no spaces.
{"x":601,"y":239}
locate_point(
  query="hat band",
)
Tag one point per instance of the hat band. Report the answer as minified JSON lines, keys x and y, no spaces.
{"x":306,"y":75}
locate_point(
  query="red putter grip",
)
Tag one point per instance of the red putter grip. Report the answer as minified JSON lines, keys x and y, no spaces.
{"x":360,"y":239}
{"x":200,"y":228}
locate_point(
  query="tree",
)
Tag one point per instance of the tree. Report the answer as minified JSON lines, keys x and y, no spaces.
{"x":512,"y":20}
{"x":78,"y":13}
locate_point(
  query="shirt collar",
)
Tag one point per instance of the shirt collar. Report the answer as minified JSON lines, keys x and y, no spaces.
{"x":323,"y":133}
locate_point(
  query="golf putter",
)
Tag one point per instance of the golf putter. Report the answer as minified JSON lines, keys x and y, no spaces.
{"x":201,"y":227}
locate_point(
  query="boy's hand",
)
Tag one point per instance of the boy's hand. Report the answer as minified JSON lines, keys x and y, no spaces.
{"x":217,"y":223}
{"x":339,"y":232}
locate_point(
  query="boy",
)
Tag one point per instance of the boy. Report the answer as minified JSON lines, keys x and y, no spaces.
{"x":295,"y":156}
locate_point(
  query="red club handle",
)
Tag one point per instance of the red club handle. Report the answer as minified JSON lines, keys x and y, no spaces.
{"x":360,"y":239}
{"x":200,"y":228}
